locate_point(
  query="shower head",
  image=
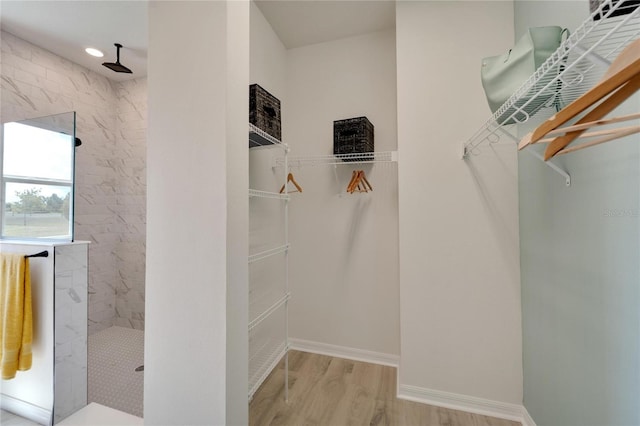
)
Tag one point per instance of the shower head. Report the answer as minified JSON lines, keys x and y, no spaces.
{"x":117,"y":66}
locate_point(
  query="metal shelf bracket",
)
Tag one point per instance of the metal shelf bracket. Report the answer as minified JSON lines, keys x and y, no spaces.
{"x":549,"y":163}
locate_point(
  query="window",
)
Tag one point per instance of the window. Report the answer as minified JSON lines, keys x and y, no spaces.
{"x":38,"y":158}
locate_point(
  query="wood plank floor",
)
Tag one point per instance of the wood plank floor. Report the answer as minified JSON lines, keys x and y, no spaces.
{"x":328,"y":391}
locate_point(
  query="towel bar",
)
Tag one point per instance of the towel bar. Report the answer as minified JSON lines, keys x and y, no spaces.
{"x":44,"y":253}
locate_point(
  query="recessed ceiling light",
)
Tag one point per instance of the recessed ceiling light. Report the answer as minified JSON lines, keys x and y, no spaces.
{"x":94,"y":52}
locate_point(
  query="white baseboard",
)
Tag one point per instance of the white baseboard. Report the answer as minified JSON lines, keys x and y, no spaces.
{"x":526,"y":418}
{"x":449,"y":400}
{"x":25,"y":409}
{"x":471,"y":404}
{"x":344,"y":352}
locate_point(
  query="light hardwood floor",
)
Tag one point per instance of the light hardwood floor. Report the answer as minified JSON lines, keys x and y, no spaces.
{"x":328,"y":391}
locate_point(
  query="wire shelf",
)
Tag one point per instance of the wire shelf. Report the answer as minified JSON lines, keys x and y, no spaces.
{"x":568,"y":73}
{"x":267,"y":345}
{"x":271,"y":309}
{"x":258,"y":137}
{"x":263,"y":364}
{"x":340,"y":159}
{"x":262,"y":297}
{"x":268,"y":253}
{"x":265,"y":194}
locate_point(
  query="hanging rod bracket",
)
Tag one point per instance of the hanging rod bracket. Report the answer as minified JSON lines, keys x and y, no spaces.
{"x":549,"y":163}
{"x":466,"y":151}
{"x":554,"y":167}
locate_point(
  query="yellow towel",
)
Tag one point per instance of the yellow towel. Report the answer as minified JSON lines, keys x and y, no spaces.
{"x":16,"y":327}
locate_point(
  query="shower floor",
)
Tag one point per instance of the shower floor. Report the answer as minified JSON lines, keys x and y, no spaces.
{"x":114,"y":354}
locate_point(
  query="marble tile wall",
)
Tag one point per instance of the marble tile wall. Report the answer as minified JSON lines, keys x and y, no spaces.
{"x":131,"y":140}
{"x":71,"y":337}
{"x":109,"y":207}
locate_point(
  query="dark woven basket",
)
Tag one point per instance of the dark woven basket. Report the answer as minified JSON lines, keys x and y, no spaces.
{"x":264,"y":111}
{"x":352,"y":136}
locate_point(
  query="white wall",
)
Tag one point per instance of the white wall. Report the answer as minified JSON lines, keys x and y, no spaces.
{"x":237,"y":409}
{"x":191,"y":113}
{"x":580,"y":270}
{"x":537,"y":13}
{"x":459,"y":263}
{"x":268,"y":56}
{"x":344,"y":248}
{"x":268,"y":69}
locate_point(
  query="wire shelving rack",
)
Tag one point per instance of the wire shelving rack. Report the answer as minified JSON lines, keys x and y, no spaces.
{"x":268,"y":336}
{"x":569,"y":72}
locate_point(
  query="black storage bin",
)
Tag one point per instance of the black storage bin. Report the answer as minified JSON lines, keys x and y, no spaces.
{"x":264,"y":111}
{"x":623,"y":7}
{"x":352,"y":136}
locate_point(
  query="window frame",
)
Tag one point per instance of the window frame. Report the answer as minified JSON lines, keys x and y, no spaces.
{"x":31,"y":180}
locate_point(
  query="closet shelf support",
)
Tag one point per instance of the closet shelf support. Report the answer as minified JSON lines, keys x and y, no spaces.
{"x":554,"y":167}
{"x":549,"y":163}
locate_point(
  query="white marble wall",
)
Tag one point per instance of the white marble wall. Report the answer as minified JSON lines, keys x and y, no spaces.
{"x":131,"y":144}
{"x":109,"y":166}
{"x":70,"y":321}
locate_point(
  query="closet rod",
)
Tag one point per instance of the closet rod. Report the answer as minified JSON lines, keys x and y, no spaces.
{"x":43,"y":253}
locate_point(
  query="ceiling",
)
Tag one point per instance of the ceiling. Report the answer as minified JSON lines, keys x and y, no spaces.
{"x":303,"y":22}
{"x":66,"y":28}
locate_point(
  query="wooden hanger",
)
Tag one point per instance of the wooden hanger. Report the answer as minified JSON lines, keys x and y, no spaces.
{"x":578,"y":128}
{"x":364,"y":179}
{"x":593,"y":117}
{"x":585,"y":126}
{"x":291,"y":179}
{"x":615,"y":134}
{"x":623,"y":70}
{"x":354,"y":178}
{"x":606,"y":132}
{"x":359,"y":182}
